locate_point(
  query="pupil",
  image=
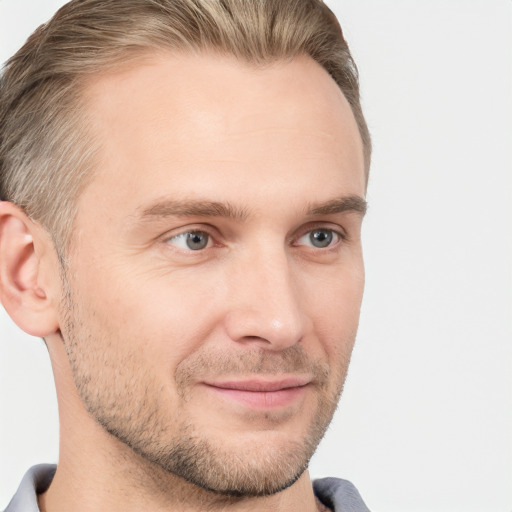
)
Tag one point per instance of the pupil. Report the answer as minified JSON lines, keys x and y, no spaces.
{"x":321,"y":238}
{"x":197,"y":241}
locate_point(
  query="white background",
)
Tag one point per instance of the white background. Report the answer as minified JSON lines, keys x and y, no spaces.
{"x":425,"y":423}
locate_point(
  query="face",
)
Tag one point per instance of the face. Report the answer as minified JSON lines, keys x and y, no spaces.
{"x":215,"y":278}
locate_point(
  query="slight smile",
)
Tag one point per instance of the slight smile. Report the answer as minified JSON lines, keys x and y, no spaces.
{"x":260,"y":393}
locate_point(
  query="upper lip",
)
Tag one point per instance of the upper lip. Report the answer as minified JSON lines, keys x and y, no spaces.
{"x":261,"y":384}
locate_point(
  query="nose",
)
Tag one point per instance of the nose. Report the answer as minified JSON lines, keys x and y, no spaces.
{"x":265,"y":303}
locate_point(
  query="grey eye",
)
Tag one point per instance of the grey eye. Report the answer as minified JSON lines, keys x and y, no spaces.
{"x":321,"y":238}
{"x":197,"y":240}
{"x":191,"y":240}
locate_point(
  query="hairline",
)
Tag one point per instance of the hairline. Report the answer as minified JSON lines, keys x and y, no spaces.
{"x":130,"y":59}
{"x":69,"y":141}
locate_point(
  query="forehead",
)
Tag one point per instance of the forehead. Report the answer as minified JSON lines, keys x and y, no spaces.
{"x":172,"y":118}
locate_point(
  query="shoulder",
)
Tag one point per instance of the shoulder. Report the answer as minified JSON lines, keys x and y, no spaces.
{"x":339,"y":495}
{"x":36,"y":480}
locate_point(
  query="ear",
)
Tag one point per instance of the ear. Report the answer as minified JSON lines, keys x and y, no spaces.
{"x":27,"y":290}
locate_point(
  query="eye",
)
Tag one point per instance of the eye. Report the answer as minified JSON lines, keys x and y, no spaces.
{"x":319,"y":238}
{"x":191,"y":240}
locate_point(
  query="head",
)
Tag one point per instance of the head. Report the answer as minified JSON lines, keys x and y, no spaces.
{"x":198,"y":170}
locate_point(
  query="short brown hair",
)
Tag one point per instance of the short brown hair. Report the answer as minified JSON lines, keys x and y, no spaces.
{"x":46,"y":156}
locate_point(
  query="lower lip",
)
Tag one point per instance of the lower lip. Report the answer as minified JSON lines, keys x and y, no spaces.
{"x":262,"y":399}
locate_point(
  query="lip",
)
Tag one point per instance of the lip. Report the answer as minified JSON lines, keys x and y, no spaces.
{"x":258,"y":393}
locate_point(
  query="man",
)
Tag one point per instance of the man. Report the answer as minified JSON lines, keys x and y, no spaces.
{"x":183,"y":187}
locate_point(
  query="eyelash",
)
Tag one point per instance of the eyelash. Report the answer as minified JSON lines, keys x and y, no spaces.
{"x":192,"y":232}
{"x":338,"y":235}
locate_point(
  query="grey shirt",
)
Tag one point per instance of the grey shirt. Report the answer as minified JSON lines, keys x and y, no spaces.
{"x":339,"y":495}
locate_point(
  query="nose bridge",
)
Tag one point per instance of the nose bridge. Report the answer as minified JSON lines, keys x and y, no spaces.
{"x":265,"y":302}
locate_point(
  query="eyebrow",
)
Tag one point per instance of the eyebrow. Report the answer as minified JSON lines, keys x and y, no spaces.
{"x":198,"y":208}
{"x":194,"y":208}
{"x":350,"y":203}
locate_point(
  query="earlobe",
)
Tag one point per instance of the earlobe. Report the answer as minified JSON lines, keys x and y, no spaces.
{"x":22,"y":290}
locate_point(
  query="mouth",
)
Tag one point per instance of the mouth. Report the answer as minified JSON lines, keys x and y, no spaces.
{"x":259,"y":393}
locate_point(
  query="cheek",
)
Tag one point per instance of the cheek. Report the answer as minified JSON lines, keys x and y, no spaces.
{"x":163,"y":319}
{"x":334,"y":307}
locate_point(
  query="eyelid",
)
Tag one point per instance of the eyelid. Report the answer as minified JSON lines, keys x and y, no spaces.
{"x":214,"y":235}
{"x":184,"y":237}
{"x":198,"y":228}
{"x":318,"y":225}
{"x":335,"y":242}
{"x":190,"y":228}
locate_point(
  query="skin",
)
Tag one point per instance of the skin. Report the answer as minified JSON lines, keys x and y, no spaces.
{"x":152,"y":340}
